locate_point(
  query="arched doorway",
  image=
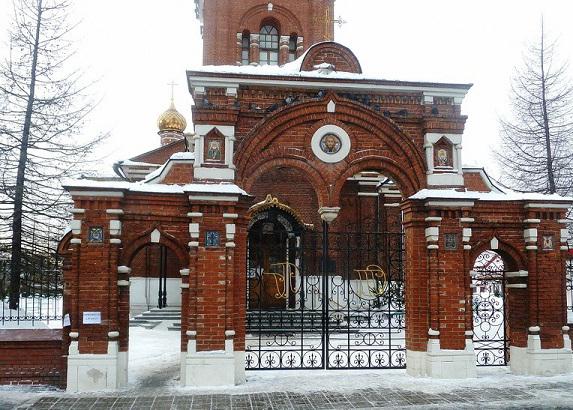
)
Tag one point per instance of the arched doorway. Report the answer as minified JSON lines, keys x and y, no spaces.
{"x":274,"y":261}
{"x":489,"y":305}
{"x":155,"y":316}
{"x":328,"y":296}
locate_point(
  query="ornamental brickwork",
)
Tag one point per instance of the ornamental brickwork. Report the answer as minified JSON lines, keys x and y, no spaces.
{"x":343,"y":171}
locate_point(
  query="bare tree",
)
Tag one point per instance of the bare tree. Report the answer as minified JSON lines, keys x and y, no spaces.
{"x":536,"y":152}
{"x":44,"y":107}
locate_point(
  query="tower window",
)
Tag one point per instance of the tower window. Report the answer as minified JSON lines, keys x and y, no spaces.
{"x":292,"y":48}
{"x":246,"y":49}
{"x":269,"y":45}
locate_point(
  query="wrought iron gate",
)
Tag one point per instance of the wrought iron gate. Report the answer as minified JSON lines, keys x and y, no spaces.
{"x":491,"y":341}
{"x":325,"y":300}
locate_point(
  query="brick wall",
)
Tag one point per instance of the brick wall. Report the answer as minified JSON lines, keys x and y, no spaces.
{"x":223,"y":19}
{"x":32,"y":356}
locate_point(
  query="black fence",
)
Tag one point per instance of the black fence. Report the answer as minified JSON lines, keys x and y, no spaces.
{"x":41,"y":290}
{"x":569,"y":290}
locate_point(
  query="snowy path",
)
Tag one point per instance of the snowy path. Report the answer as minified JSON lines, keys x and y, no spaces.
{"x":154,"y":382}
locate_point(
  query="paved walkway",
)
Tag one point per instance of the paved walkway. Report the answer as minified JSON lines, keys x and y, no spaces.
{"x":542,"y":396}
{"x":304,"y":391}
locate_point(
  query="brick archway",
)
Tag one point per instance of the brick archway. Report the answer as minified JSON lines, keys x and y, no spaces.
{"x":512,"y":257}
{"x":375,"y":140}
{"x":142,"y":240}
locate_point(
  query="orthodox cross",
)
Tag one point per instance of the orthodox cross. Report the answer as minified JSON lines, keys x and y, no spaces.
{"x":327,"y":20}
{"x":172,"y":84}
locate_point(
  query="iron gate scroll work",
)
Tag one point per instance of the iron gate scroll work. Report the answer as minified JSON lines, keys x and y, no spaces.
{"x":320,"y":300}
{"x":491,"y":341}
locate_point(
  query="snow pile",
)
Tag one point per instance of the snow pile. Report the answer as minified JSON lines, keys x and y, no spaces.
{"x":506,"y":195}
{"x":143,"y":186}
{"x":154,"y":357}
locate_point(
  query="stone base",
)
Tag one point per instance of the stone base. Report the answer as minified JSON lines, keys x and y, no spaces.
{"x":442,"y":364}
{"x":208,"y":369}
{"x":535,"y":361}
{"x":96,"y":372}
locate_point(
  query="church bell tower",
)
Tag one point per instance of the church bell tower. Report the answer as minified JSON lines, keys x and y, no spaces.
{"x":262,"y":32}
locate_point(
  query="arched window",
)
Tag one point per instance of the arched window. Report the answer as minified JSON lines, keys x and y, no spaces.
{"x":269,"y":45}
{"x":246,"y":49}
{"x":292,"y":47}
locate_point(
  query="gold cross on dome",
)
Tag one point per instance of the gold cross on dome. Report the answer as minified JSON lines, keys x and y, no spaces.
{"x":172,"y":84}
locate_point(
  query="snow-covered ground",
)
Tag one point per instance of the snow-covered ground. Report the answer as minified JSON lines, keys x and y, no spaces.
{"x":154,"y":370}
{"x":154,"y":356}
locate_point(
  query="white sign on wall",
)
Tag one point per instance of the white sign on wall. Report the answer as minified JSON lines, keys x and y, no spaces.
{"x":92,"y":318}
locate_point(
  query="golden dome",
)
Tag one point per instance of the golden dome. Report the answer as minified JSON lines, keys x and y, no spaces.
{"x":171,"y":120}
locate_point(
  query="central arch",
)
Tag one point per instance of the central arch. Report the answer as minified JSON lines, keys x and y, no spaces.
{"x":376,"y":141}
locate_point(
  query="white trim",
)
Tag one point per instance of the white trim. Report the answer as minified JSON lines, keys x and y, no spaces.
{"x":115,"y":241}
{"x":227,"y":130}
{"x":516,"y":286}
{"x":433,"y":219}
{"x":227,"y":174}
{"x":124,"y":269}
{"x":531,"y":221}
{"x":75,"y":241}
{"x":123,"y":283}
{"x":450,"y":204}
{"x":223,"y":198}
{"x":113,"y":194}
{"x":518,"y":274}
{"x":195,"y":214}
{"x":445,"y":179}
{"x":549,"y":206}
{"x":467,"y":220}
{"x":373,"y":194}
{"x":77,"y":211}
{"x":345,"y":144}
{"x":184,"y":272}
{"x":331,"y":107}
{"x":433,"y":137}
{"x":393,"y":205}
{"x":334,"y":84}
{"x":231,"y":216}
{"x":114,"y":211}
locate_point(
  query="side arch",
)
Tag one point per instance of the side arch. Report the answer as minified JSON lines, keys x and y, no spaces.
{"x":144,"y":239}
{"x":513,"y":259}
{"x":390,"y":168}
{"x":314,"y":176}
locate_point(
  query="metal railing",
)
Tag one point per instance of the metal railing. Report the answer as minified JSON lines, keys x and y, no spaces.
{"x":40,"y":301}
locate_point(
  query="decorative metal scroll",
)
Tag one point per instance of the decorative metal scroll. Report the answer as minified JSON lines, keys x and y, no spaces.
{"x":491,"y":342}
{"x":302,"y":317}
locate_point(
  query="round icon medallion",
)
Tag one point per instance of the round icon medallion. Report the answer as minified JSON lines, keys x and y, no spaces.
{"x":330,"y":144}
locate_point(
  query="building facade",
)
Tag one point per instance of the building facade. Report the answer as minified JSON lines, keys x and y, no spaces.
{"x":317,"y":217}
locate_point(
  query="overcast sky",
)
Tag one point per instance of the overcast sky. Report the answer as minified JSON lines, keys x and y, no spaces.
{"x":137,"y":47}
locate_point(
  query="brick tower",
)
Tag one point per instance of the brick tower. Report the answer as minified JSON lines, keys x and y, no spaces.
{"x":262,"y":32}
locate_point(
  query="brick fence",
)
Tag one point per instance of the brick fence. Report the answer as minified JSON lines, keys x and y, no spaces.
{"x":32,"y":356}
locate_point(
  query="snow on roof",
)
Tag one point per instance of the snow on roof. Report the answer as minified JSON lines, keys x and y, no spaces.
{"x":178,"y":156}
{"x":131,"y":163}
{"x":293,"y":69}
{"x":220,"y":188}
{"x":505,"y":195}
